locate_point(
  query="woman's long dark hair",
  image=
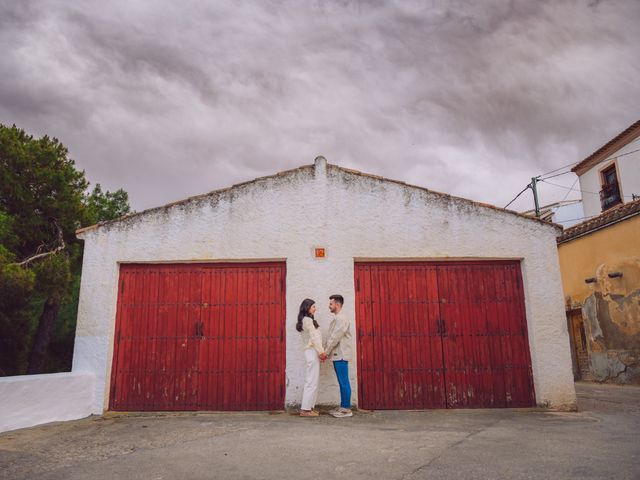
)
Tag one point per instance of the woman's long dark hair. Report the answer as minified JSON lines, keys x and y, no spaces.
{"x":304,"y":312}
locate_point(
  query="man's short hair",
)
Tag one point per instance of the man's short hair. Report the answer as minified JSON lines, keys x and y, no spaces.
{"x":337,"y":298}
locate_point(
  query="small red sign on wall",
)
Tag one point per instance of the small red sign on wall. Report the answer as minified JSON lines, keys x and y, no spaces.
{"x":319,"y":252}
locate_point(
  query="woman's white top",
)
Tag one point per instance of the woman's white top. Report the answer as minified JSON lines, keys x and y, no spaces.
{"x":311,"y":336}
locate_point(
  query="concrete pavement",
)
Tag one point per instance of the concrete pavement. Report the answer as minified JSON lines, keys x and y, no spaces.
{"x":601,"y":440}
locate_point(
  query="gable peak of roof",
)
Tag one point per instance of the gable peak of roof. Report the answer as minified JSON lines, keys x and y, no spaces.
{"x":616,"y":143}
{"x":320,"y":167}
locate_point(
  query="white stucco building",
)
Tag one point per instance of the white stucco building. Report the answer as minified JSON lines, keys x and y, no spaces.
{"x":192,"y":306}
{"x":610,"y":176}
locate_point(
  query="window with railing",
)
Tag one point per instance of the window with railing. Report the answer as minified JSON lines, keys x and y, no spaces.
{"x":610,"y":193}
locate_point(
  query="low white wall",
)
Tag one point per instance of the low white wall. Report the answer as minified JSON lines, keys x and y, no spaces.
{"x":29,"y":400}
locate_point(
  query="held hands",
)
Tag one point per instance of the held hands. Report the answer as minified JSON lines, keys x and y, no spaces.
{"x":322,"y":356}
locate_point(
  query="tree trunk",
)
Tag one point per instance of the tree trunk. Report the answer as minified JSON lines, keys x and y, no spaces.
{"x":43,"y":337}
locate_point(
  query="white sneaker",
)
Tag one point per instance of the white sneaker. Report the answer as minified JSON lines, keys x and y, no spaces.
{"x":342,"y":413}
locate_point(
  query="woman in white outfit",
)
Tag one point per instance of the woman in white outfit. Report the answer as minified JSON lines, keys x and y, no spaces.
{"x":313,"y":354}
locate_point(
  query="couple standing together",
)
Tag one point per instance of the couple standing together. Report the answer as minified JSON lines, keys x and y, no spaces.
{"x":337,"y":348}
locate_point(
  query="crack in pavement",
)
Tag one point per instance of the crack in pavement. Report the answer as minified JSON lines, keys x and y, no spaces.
{"x":449,"y":447}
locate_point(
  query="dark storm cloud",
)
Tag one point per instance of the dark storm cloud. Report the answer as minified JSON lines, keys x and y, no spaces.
{"x":170,"y":99}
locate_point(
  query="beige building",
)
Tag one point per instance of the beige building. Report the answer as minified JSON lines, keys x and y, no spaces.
{"x":600,"y":264}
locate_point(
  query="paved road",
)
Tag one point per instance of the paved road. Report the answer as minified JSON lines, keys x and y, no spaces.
{"x":602,"y":440}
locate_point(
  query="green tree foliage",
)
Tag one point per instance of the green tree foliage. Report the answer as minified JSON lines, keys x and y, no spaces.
{"x":16,"y":286}
{"x":42,"y":194}
{"x":39,"y":183}
{"x":101,"y":206}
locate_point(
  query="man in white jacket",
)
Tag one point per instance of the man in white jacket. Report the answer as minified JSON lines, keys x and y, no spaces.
{"x":339,"y":350}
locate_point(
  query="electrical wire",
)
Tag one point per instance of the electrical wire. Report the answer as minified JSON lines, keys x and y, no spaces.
{"x":578,"y":190}
{"x":543,"y":178}
{"x":576,"y":163}
{"x":556,"y":175}
{"x":516,"y":197}
{"x":558,"y":169}
{"x":569,"y":191}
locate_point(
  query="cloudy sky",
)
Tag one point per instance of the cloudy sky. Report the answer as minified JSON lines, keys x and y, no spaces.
{"x":168,"y":99}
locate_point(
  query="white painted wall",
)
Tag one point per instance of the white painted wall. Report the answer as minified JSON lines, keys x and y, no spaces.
{"x":628,"y":174}
{"x":28,"y":400}
{"x":568,"y":215}
{"x":354,"y":217}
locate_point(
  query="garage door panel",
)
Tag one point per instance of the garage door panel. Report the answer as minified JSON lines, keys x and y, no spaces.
{"x":396,"y":322}
{"x":444,"y":334}
{"x":191,"y":337}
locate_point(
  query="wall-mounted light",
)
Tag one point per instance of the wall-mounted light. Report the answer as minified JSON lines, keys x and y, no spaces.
{"x":615,"y":274}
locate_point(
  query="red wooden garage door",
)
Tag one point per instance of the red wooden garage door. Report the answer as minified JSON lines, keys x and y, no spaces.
{"x":199,"y":337}
{"x":442,"y":335}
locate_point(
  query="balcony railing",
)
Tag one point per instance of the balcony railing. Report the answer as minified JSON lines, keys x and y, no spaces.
{"x":610,"y":196}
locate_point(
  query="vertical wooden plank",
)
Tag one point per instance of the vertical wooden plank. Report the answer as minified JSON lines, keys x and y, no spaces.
{"x":390,"y":354}
{"x":385,"y":347}
{"x":475,"y":334}
{"x":436,"y":343}
{"x":160,"y":392}
{"x":118,"y":351}
{"x":282,"y":320}
{"x":252,"y":319}
{"x":394,"y":349}
{"x":404,"y":336}
{"x":366,"y":384}
{"x":373,"y":308}
{"x":272,"y":340}
{"x":421,"y":344}
{"x":498,"y":363}
{"x":148,"y":342}
{"x":197,"y":326}
{"x":447,"y":327}
{"x":172,"y":339}
{"x":360,"y":329}
{"x":482,"y":359}
{"x":184,"y":334}
{"x":274,"y":337}
{"x":177,"y":367}
{"x":143,"y":344}
{"x":466,"y":317}
{"x":203,"y":343}
{"x":223,"y":286}
{"x":261,"y":351}
{"x":506,"y":320}
{"x":526,"y":352}
{"x":229,"y":331}
{"x":133,"y":332}
{"x":124,"y":368}
{"x":376,"y":336}
{"x":403,"y":331}
{"x":414,"y":359}
{"x":241,"y":343}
